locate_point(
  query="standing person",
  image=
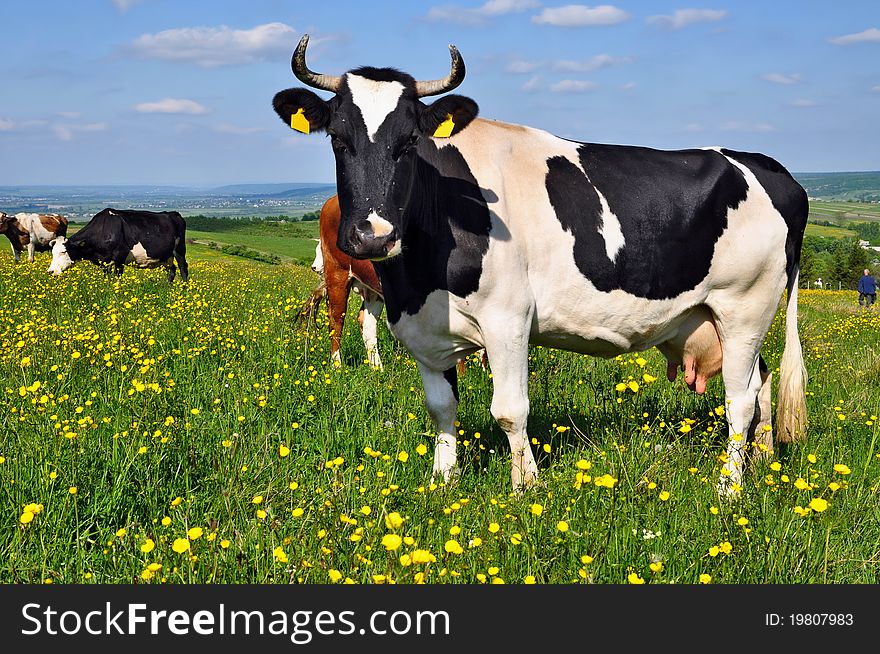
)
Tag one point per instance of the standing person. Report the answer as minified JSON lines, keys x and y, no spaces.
{"x":867,"y":289}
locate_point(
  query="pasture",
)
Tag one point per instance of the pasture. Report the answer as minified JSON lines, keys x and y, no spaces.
{"x":199,"y":434}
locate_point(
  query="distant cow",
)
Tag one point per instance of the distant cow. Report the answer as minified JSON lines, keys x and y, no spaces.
{"x":342,"y":274}
{"x":33,"y":231}
{"x":115,"y":237}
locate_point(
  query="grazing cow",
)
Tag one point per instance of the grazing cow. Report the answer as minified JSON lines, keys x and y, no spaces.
{"x":342,"y":274}
{"x":487,"y":234}
{"x":33,"y":231}
{"x":115,"y":237}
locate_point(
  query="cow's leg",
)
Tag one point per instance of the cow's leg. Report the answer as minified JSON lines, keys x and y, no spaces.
{"x":372,"y":310}
{"x":441,"y":400}
{"x":742,"y":381}
{"x":509,"y":357}
{"x":180,"y":257}
{"x":762,"y":422}
{"x":172,"y":270}
{"x":32,"y":248}
{"x":16,"y":254}
{"x":337,"y":303}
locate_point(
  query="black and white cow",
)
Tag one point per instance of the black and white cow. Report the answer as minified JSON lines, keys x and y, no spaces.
{"x":115,"y":237}
{"x":487,"y":234}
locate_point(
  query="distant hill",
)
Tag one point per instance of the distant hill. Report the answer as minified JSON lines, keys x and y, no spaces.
{"x":841,"y":187}
{"x":269,"y":190}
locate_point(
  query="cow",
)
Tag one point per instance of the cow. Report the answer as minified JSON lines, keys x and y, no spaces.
{"x":115,"y":237}
{"x":489,"y":234}
{"x":33,"y":231}
{"x":342,"y":274}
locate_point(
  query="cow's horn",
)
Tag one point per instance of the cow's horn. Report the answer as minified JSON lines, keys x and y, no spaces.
{"x":438,"y":86}
{"x":303,"y":74}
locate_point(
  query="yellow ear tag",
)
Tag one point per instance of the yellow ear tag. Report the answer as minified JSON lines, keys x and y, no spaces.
{"x":299,"y":122}
{"x":444,"y":129}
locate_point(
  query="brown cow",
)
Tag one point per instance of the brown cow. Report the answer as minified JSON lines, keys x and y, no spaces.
{"x":342,"y":274}
{"x":33,"y":231}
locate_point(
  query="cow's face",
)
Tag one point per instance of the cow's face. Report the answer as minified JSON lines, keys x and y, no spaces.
{"x":318,"y":263}
{"x":375,"y":123}
{"x":4,"y":222}
{"x":61,"y":260}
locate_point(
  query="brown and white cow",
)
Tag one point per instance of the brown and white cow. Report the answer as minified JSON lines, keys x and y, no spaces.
{"x":33,"y":231}
{"x":342,"y":274}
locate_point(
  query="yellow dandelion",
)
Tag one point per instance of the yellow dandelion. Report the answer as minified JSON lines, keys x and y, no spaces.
{"x":180,"y":545}
{"x":818,"y":504}
{"x":393,"y":520}
{"x":391,"y":542}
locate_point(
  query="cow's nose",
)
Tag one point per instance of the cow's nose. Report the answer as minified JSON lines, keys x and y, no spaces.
{"x":364,"y":243}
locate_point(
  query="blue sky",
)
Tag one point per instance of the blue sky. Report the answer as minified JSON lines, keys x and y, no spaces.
{"x":174,"y":92}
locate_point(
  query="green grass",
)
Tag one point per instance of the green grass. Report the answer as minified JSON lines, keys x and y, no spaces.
{"x":289,"y":249}
{"x":829,"y":232}
{"x":204,"y":405}
{"x":844,"y":210}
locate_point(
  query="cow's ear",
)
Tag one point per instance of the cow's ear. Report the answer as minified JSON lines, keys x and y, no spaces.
{"x":302,"y":110}
{"x":448,"y":116}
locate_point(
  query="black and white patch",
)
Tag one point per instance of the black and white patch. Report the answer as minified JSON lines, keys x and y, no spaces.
{"x":446,"y":228}
{"x":672,"y":207}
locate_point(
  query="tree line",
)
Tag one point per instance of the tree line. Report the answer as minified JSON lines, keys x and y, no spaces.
{"x":837,"y":261}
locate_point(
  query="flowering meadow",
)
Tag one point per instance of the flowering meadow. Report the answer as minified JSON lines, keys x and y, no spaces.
{"x":197,"y":433}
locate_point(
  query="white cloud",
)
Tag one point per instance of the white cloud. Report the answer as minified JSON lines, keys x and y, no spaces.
{"x":684,"y":17}
{"x":876,"y":88}
{"x":591,"y":64}
{"x":871,"y":35}
{"x":534,"y":84}
{"x":69,"y":114}
{"x":6,"y":125}
{"x":480,"y":15}
{"x":803,"y":102}
{"x":66,"y":132}
{"x":171,"y":106}
{"x":125,"y":5}
{"x":522,"y":67}
{"x":225,"y":128}
{"x":739,"y":126}
{"x":211,"y":47}
{"x":580,"y":16}
{"x":629,"y":86}
{"x":693,"y":127}
{"x":572,"y":86}
{"x":779,"y":78}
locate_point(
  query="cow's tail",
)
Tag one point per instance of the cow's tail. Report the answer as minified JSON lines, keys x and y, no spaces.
{"x":791,"y":411}
{"x":310,"y":307}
